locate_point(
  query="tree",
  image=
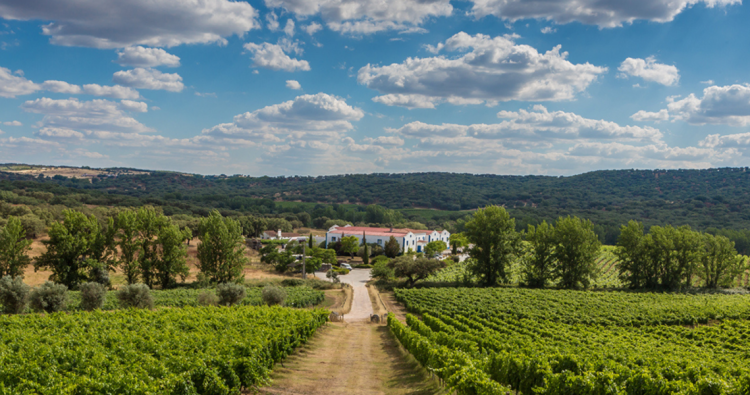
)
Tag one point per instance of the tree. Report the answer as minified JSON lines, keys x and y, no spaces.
{"x":366,"y":252}
{"x":310,"y":241}
{"x":14,"y":248}
{"x":631,"y":253}
{"x":325,"y":255}
{"x":457,"y":240}
{"x":253,"y":226}
{"x":170,"y":261}
{"x":576,"y":250}
{"x":349,"y":245}
{"x":129,"y":245}
{"x":493,"y":233}
{"x":538,"y":264}
{"x":719,"y":264}
{"x":276,"y":224}
{"x":150,"y":223}
{"x":221,"y":254}
{"x":434,"y":248}
{"x":414,"y":269}
{"x":392,"y":249}
{"x":69,"y":248}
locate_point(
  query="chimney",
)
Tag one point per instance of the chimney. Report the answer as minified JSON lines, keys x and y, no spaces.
{"x":278,"y":233}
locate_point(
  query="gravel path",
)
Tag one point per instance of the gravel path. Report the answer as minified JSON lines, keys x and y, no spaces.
{"x":361,"y":305}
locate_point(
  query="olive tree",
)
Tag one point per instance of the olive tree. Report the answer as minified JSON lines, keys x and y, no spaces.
{"x":496,"y":243}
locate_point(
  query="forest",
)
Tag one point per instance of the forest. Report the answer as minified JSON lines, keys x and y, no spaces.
{"x":712,"y":200}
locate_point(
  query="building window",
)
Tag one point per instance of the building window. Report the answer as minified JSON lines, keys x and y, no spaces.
{"x":380,"y":241}
{"x":333,"y":239}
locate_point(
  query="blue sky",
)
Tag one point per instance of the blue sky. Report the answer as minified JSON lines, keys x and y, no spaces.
{"x":303,"y":87}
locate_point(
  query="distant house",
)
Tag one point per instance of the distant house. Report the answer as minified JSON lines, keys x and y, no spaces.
{"x":413,"y":239}
{"x":278,"y":235}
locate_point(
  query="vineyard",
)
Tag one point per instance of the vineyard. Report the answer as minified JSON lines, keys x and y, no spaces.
{"x":205,"y":350}
{"x":569,"y":342}
{"x":183,"y":297}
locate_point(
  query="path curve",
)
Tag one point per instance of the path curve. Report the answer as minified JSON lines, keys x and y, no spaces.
{"x":361,"y":305}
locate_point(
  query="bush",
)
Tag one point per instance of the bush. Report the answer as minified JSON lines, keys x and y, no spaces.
{"x":14,"y":295}
{"x":135,"y":295}
{"x":333,"y":276}
{"x":381,"y":271}
{"x":273,"y":295}
{"x":340,"y":270}
{"x":361,"y":266}
{"x":49,"y":297}
{"x":380,"y":258}
{"x":92,"y":296}
{"x":230,"y":293}
{"x":292,"y":282}
{"x":208,"y":299}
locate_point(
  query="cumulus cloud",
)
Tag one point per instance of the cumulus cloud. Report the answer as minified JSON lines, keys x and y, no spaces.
{"x":12,"y":123}
{"x":117,"y":24}
{"x":720,"y":105}
{"x":387,"y":141}
{"x":645,"y":116}
{"x":61,"y":87}
{"x":492,"y":70}
{"x":367,"y":16}
{"x":146,"y":57}
{"x":316,"y":117}
{"x":292,"y":84}
{"x":135,"y":106}
{"x":114,"y":92}
{"x":12,"y":85}
{"x":272,"y":56}
{"x":272,"y":20}
{"x":289,"y":28}
{"x":98,"y":115}
{"x":149,"y":79}
{"x":605,"y":14}
{"x":312,"y":28}
{"x":548,"y":30}
{"x":649,"y":70}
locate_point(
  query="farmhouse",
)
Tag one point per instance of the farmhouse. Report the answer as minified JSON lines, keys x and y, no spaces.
{"x":407,"y":238}
{"x":277,"y":235}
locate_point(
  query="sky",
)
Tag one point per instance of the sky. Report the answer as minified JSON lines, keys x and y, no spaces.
{"x":304,"y":87}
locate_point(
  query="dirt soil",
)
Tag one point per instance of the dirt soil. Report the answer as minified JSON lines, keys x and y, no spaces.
{"x":344,"y":358}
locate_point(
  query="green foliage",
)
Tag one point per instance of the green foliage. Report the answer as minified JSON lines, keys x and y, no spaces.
{"x":530,"y":340}
{"x":129,"y":244}
{"x":333,"y":275}
{"x":196,"y":350}
{"x":253,"y":226}
{"x":434,"y":248}
{"x":208,"y":299}
{"x":280,"y":260}
{"x":392,"y":248}
{"x":14,"y":294}
{"x":14,"y":248}
{"x":273,"y":295}
{"x":71,"y":248}
{"x":277,"y":224}
{"x":538,"y":264}
{"x":382,"y":271}
{"x":349,"y":245}
{"x":414,"y":269}
{"x":457,"y":240}
{"x":221,"y":254}
{"x":575,"y":253}
{"x":719,"y":263}
{"x":230,"y":294}
{"x":49,"y":297}
{"x":92,"y":296}
{"x":496,"y":243}
{"x":135,"y":296}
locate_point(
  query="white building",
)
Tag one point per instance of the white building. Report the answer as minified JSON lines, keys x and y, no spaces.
{"x":278,"y":235}
{"x":407,"y":239}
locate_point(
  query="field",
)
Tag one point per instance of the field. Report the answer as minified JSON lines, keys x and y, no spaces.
{"x":571,"y":342}
{"x":207,"y":350}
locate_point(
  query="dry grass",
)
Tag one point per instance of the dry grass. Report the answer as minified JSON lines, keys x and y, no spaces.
{"x":378,"y":306}
{"x":51,"y":171}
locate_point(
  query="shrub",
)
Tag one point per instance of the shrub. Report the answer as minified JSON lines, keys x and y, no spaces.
{"x":135,"y":295}
{"x":380,"y":258}
{"x":273,"y":295}
{"x":339,"y":270}
{"x":14,"y":294}
{"x":230,"y":293}
{"x":333,"y":276}
{"x":49,"y":297}
{"x":381,"y":271}
{"x":208,"y":299}
{"x":361,"y":266}
{"x":292,"y":282}
{"x":92,"y":296}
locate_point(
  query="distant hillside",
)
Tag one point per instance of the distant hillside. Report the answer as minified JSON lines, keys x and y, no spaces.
{"x":702,"y":198}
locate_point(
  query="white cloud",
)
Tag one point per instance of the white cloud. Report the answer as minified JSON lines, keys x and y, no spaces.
{"x":292,"y":84}
{"x":367,"y":16}
{"x":52,"y":133}
{"x":289,"y":28}
{"x":387,"y":141}
{"x":149,"y":79}
{"x":61,"y":87}
{"x":85,"y":116}
{"x":708,"y":82}
{"x":12,"y":123}
{"x":117,"y":24}
{"x":548,"y":30}
{"x":318,"y":117}
{"x":272,"y":21}
{"x":494,"y":70}
{"x":14,"y":85}
{"x":135,"y":106}
{"x":727,"y":105}
{"x":645,"y":116}
{"x":649,"y":70}
{"x":312,"y":28}
{"x":605,"y":14}
{"x":272,"y":56}
{"x":114,"y":92}
{"x":146,"y":57}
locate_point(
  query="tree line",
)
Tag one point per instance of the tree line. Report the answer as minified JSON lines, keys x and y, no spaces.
{"x":146,"y":245}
